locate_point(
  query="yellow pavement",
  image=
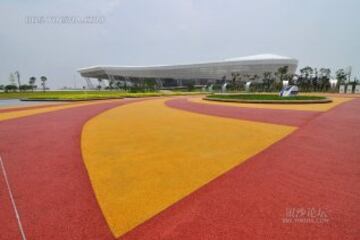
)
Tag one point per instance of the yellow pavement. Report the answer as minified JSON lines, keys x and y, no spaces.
{"x":29,"y":112}
{"x":15,"y":107}
{"x":144,"y":157}
{"x":322,"y":107}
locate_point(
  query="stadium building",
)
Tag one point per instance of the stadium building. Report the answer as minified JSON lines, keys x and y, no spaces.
{"x":199,"y":74}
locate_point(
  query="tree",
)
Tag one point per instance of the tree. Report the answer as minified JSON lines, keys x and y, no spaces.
{"x":282,"y":71}
{"x":306,"y":71}
{"x":111,"y":83}
{"x":255,"y":77}
{"x":99,"y":84}
{"x":236,"y":78}
{"x":150,"y":83}
{"x":305,"y":78}
{"x":341,"y":76}
{"x":324,"y":78}
{"x":32,"y":82}
{"x":233,"y":78}
{"x":11,"y":87}
{"x":356,"y":80}
{"x":267,"y":77}
{"x":325,"y":72}
{"x":118,"y":84}
{"x":43,"y":80}
{"x":190,"y":85}
{"x":25,"y":87}
{"x":315,"y":80}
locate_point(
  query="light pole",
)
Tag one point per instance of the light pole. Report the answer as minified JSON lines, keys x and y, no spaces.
{"x":17,"y":73}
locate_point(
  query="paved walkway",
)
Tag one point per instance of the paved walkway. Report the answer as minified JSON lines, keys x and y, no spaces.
{"x":42,"y":158}
{"x":316,"y":168}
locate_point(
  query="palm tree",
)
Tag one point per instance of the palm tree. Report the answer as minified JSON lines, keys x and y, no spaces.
{"x":239,"y":82}
{"x":315,"y":80}
{"x":282,"y":72}
{"x":325,"y":78}
{"x":236,"y":80}
{"x":267,"y":79}
{"x":43,"y":82}
{"x":32,"y":82}
{"x":306,"y":74}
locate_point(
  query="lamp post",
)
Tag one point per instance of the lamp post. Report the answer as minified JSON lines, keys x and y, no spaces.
{"x":17,"y":73}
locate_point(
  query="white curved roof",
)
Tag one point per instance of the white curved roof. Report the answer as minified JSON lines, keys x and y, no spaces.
{"x":214,"y":69}
{"x":259,"y":57}
{"x":267,"y":56}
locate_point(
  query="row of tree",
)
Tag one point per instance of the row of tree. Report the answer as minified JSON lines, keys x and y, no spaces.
{"x":15,"y":83}
{"x":309,"y":79}
{"x":137,"y":84}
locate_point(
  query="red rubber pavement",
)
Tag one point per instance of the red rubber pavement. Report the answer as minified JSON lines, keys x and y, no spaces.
{"x":8,"y":225}
{"x":42,"y":156}
{"x":315,"y":167}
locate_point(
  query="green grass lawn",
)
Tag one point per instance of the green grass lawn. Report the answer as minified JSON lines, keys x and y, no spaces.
{"x":84,"y":95}
{"x":263,"y":97}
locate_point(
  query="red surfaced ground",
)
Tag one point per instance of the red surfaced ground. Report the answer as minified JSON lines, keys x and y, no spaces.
{"x":8,"y":225}
{"x":316,"y":167}
{"x":277,"y":116}
{"x":48,"y":178}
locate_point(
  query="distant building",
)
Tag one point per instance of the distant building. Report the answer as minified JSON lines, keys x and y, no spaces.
{"x":199,"y":74}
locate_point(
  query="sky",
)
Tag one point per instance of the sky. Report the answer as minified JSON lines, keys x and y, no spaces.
{"x":319,"y":33}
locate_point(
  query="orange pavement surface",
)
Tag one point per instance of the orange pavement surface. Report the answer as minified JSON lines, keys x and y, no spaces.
{"x":141,"y":163}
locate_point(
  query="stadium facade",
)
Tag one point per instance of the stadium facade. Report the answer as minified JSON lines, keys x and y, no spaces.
{"x":200,"y":74}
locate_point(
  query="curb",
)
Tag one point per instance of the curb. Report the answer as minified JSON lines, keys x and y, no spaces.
{"x":327,"y":100}
{"x":65,"y":100}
